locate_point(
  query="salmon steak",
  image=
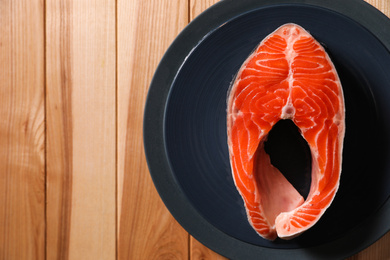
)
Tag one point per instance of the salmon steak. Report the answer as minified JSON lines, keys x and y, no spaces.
{"x":289,"y":76}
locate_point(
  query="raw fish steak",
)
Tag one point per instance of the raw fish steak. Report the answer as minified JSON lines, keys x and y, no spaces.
{"x":289,"y":76}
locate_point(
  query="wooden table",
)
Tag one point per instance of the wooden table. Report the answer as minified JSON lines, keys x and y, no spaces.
{"x":74,"y":183}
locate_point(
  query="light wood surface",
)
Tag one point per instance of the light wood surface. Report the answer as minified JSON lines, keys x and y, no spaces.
{"x":81,"y":129}
{"x":22,"y":130}
{"x":74,"y":183}
{"x":146,"y":230}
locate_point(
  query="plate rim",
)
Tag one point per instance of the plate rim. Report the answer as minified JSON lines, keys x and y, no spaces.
{"x":154,"y":137}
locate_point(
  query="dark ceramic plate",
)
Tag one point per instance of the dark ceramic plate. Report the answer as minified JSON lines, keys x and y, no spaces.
{"x":185,"y":127}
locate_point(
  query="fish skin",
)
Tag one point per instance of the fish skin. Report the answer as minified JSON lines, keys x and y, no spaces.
{"x":288,"y":76}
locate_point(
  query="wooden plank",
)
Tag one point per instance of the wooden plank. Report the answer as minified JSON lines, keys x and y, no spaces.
{"x":22,"y":130}
{"x":81,"y":129}
{"x":146,"y":230}
{"x":59,"y":128}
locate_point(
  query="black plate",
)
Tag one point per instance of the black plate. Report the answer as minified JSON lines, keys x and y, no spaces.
{"x":185,"y":126}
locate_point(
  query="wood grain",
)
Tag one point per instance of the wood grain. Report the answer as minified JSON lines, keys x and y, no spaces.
{"x":81,"y":129}
{"x":22,"y":130}
{"x":146,"y":229}
{"x":59,"y":128}
{"x":74,"y":183}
